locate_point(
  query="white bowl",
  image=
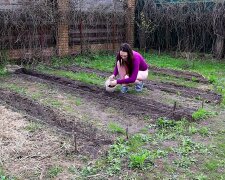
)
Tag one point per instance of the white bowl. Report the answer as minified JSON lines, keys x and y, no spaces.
{"x":108,"y":87}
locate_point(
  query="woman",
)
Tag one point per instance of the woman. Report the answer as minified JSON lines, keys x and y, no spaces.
{"x":131,"y":67}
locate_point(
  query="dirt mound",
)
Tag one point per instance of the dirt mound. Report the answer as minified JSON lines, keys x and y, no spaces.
{"x":129,"y":104}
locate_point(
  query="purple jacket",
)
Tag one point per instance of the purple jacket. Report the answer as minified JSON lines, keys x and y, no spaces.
{"x":139,"y":64}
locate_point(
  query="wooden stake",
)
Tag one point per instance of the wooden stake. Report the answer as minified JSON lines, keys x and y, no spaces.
{"x":127,"y":133}
{"x":75,"y":142}
{"x":174,"y":106}
{"x":203,"y":103}
{"x":74,"y":138}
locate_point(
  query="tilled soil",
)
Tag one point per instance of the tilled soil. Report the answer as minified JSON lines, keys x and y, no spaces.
{"x":128,"y":103}
{"x":207,"y":96}
{"x":70,"y":102}
{"x":84,"y":132}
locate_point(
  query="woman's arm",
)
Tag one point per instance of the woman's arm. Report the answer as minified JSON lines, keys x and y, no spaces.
{"x":133,"y":76}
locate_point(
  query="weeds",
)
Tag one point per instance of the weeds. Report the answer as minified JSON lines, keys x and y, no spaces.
{"x":33,"y":127}
{"x":141,"y":160}
{"x":115,"y":128}
{"x":54,"y":171}
{"x":185,"y":162}
{"x":201,"y":113}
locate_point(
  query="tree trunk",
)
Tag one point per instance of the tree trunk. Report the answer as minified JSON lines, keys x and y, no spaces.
{"x":142,"y":39}
{"x":219,"y":47}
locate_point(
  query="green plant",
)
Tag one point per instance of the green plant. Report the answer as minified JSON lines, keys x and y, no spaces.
{"x":3,"y":71}
{"x":87,"y":171}
{"x":212,"y":165}
{"x":32,"y":127}
{"x":114,"y":166}
{"x":36,"y":95}
{"x":201,"y":113}
{"x":115,"y":128}
{"x":140,"y":160}
{"x":194,"y":79}
{"x":2,"y":175}
{"x":54,"y":171}
{"x":187,"y":146}
{"x":119,"y":149}
{"x":184,"y":162}
{"x":136,"y":141}
{"x":200,"y":177}
{"x":192,"y":130}
{"x":212,"y":78}
{"x":147,"y":118}
{"x":204,"y":131}
{"x":78,"y":102}
{"x":164,"y":123}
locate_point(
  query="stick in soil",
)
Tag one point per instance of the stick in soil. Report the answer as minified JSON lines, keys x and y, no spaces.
{"x":75,"y":142}
{"x":203,"y":101}
{"x":74,"y":138}
{"x":174,"y":106}
{"x":127,"y":133}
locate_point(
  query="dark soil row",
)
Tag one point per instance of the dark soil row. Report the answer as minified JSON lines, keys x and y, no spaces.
{"x":207,"y":96}
{"x":128,"y":103}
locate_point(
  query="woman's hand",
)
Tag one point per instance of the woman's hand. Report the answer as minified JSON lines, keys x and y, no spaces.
{"x":112,"y":77}
{"x":113,"y":83}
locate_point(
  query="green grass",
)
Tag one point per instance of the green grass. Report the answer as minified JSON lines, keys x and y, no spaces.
{"x":3,"y":71}
{"x":3,"y":176}
{"x":101,"y":61}
{"x":171,"y":79}
{"x":33,"y":127}
{"x":201,"y":114}
{"x":209,"y":68}
{"x":14,"y":87}
{"x":81,"y":76}
{"x":115,"y":128}
{"x":54,"y":171}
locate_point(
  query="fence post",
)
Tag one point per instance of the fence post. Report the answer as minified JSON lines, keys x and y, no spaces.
{"x":130,"y":17}
{"x":63,"y":28}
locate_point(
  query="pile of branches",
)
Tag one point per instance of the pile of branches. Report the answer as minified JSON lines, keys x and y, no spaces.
{"x":182,"y":26}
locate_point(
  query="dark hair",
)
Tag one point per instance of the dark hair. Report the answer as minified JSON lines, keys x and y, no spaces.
{"x":129,"y":63}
